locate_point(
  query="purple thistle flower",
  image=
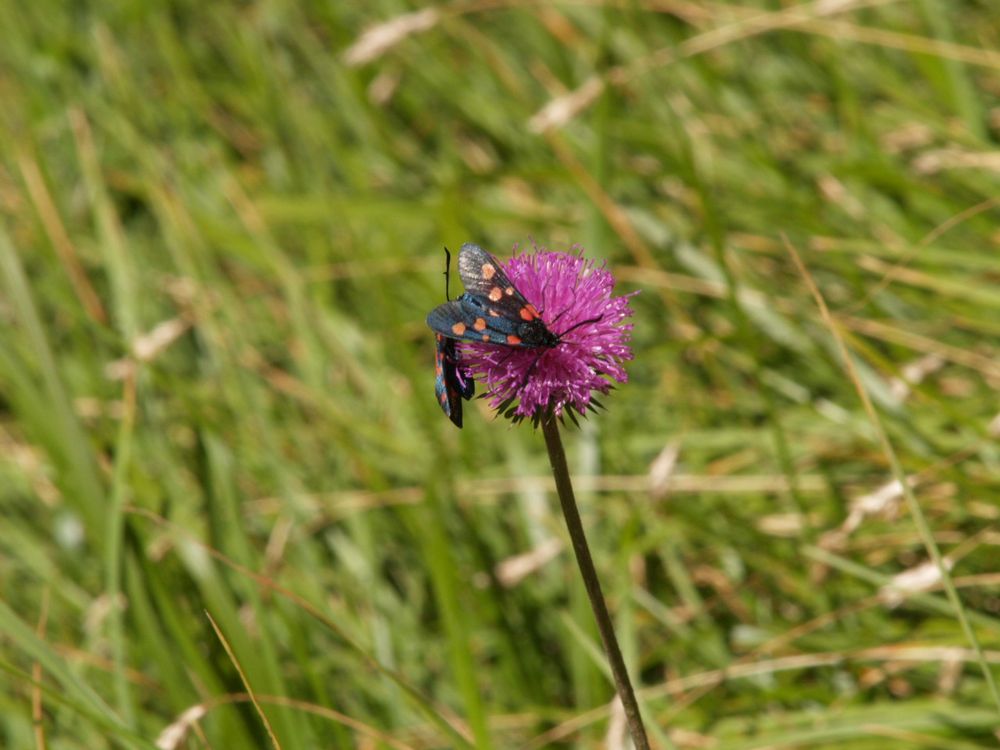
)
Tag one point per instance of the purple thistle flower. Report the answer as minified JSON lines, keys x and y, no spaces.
{"x":574,"y":298}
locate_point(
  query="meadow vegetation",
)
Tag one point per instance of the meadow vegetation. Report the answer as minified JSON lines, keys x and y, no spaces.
{"x":232,"y":514}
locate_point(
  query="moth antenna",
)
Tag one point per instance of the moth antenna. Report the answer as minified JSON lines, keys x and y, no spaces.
{"x":556,"y":318}
{"x":581,"y":323}
{"x":447,"y":273}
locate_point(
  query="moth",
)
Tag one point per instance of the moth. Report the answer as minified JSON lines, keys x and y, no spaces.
{"x":492,"y":310}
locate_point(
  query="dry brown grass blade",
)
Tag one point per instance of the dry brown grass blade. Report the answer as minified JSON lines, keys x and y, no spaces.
{"x":245,"y":681}
{"x":56,"y":231}
{"x":916,"y":513}
{"x":897,"y":268}
{"x":454,"y":723}
{"x":750,"y":23}
{"x":174,"y":733}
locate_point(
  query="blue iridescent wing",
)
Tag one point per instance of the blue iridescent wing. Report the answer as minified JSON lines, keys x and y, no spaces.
{"x":471,"y":319}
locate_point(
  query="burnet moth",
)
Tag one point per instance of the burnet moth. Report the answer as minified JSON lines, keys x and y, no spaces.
{"x":451,"y":383}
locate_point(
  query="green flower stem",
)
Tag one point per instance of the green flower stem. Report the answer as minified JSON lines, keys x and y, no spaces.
{"x":557,"y":457}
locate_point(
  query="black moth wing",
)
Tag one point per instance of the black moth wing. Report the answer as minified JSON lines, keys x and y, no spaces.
{"x":449,"y":385}
{"x":470,"y":319}
{"x":464,"y":384}
{"x":493,"y":294}
{"x":444,"y":319}
{"x":483,"y":277}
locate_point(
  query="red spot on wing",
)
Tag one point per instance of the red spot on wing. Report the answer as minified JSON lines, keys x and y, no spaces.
{"x":495,"y":294}
{"x":480,"y":324}
{"x":513,"y":340}
{"x":528,"y":312}
{"x":489,"y":271}
{"x":509,"y":291}
{"x":458,"y":329}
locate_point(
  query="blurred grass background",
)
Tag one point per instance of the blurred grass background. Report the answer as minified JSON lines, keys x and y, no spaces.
{"x":221,"y":231}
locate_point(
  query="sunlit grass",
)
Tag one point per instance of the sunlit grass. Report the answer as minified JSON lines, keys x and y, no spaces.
{"x":219,"y":241}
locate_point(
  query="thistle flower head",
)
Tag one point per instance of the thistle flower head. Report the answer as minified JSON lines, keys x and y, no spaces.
{"x":574,"y":298}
